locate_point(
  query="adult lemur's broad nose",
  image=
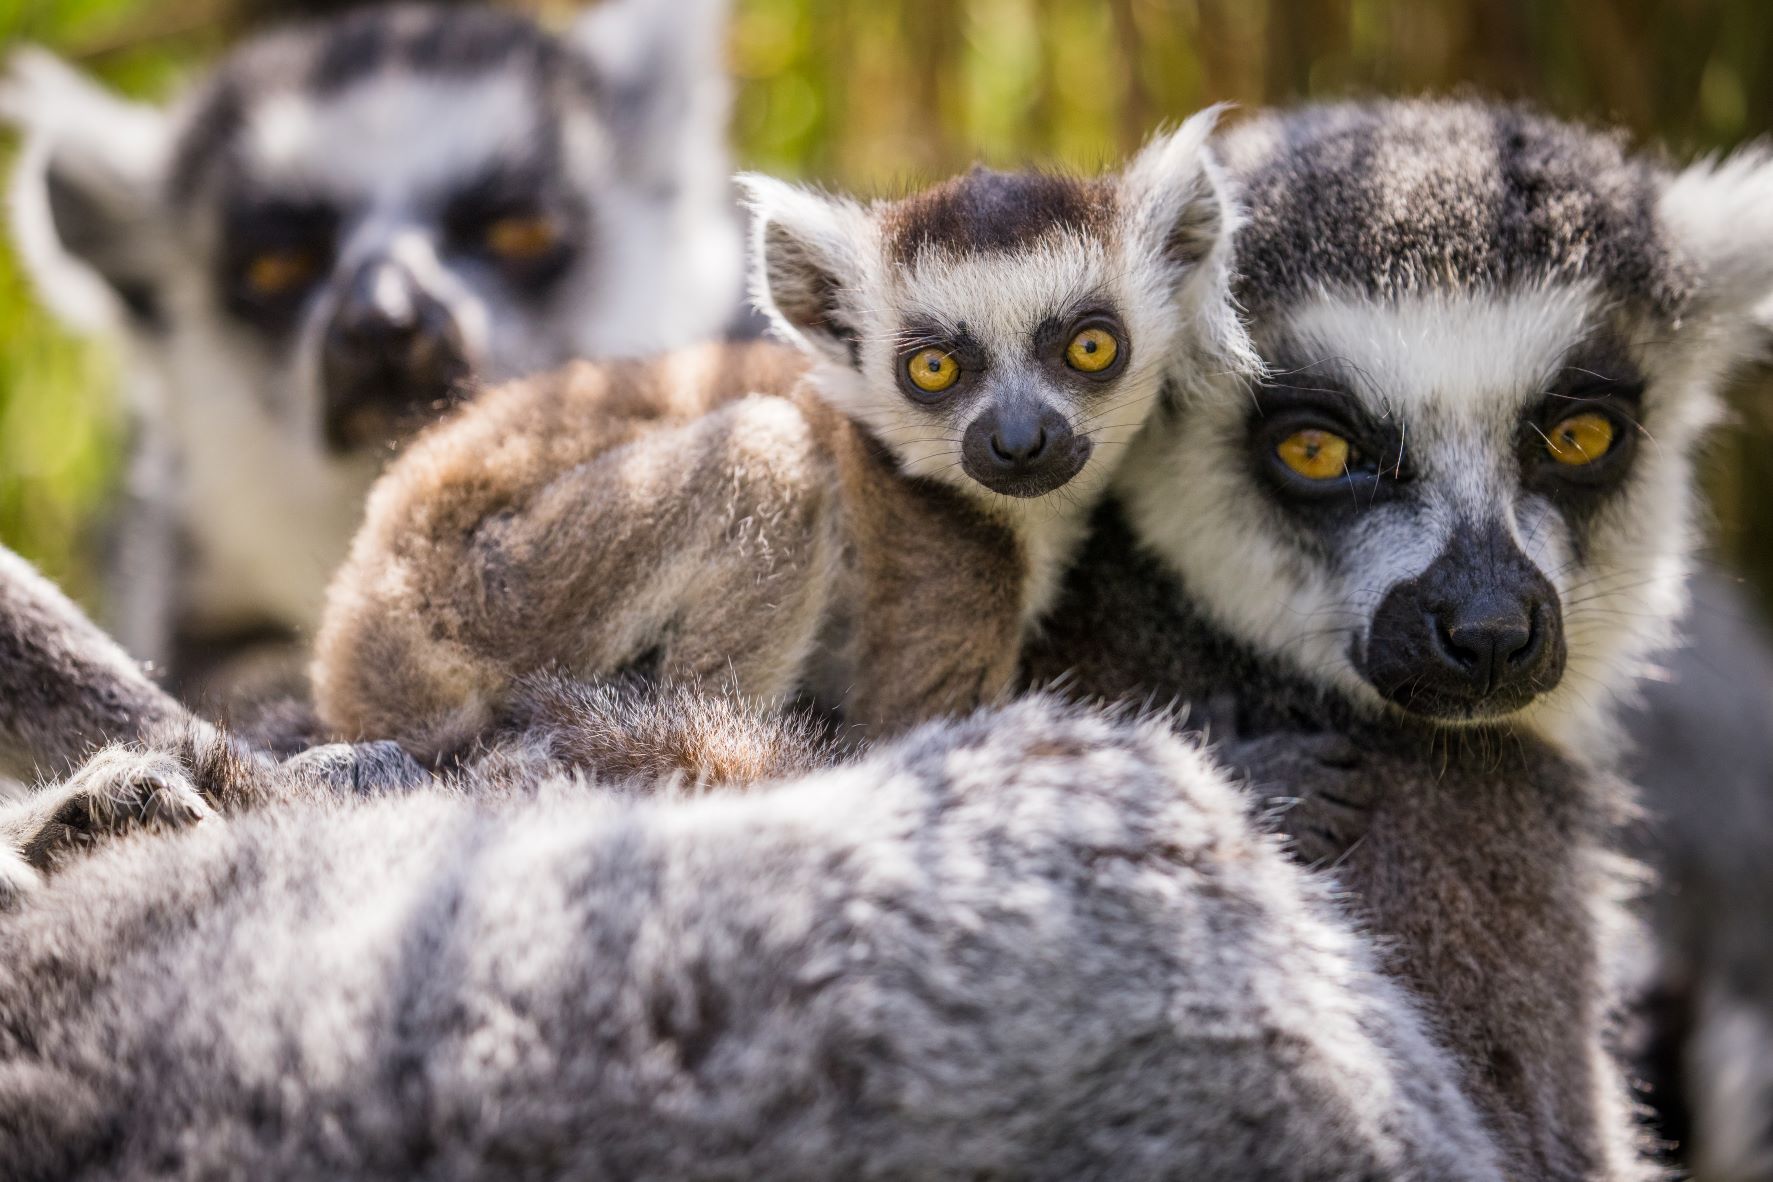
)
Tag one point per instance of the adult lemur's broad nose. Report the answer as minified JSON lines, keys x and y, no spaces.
{"x":392,"y":351}
{"x":1479,"y":633}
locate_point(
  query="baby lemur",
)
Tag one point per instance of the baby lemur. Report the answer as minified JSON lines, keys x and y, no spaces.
{"x":872,"y":518}
{"x":1443,"y":535}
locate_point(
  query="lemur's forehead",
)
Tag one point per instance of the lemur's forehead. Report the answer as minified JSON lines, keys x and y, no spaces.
{"x":417,"y":135}
{"x":389,"y":95}
{"x":994,"y":213}
{"x":1398,"y":199}
{"x":1001,"y":298}
{"x":1444,"y":358}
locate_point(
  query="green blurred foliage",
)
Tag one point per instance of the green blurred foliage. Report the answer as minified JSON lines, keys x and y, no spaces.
{"x":879,"y":94}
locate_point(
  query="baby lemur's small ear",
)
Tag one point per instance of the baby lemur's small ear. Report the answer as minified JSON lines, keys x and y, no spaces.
{"x":807,"y":263}
{"x":1175,"y":197}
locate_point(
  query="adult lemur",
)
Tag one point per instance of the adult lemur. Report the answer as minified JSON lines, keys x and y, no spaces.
{"x":1445,"y":534}
{"x":1037,"y":943}
{"x":873,"y":519}
{"x":332,"y":234}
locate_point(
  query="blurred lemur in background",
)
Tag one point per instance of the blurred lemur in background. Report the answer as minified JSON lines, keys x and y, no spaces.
{"x":331,"y":238}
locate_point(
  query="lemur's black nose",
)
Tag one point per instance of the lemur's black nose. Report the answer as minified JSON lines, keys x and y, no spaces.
{"x":391,"y":351}
{"x":1491,"y":635}
{"x":1022,"y":450}
{"x":1479,"y":633}
{"x":1019,"y":439}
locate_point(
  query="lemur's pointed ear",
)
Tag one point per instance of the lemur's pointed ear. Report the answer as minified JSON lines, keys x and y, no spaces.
{"x":85,"y":191}
{"x":1719,"y":214}
{"x":1176,"y":197}
{"x":807,"y":263}
{"x":666,"y":90}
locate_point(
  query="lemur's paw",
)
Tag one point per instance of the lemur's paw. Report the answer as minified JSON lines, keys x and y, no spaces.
{"x":1316,"y":785}
{"x":117,"y":791}
{"x":359,"y":769}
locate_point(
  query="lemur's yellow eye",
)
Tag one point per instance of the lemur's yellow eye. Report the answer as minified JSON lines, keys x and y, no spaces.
{"x":932,"y":370}
{"x":522,"y":238}
{"x":1092,"y":350}
{"x":280,"y":272}
{"x":1580,"y":439}
{"x":1315,"y":454}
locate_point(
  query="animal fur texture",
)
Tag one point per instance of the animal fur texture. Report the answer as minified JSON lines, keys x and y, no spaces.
{"x":1037,"y":943}
{"x":65,"y":687}
{"x":1437,"y":286}
{"x":760,"y":515}
{"x":338,"y":230}
{"x":1703,"y":757}
{"x":1475,"y":856}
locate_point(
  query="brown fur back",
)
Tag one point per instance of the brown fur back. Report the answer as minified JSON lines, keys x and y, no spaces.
{"x":703,"y":515}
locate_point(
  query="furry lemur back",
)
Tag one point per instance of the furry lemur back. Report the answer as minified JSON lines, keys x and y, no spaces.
{"x":870,"y":520}
{"x":343,"y":226}
{"x":1030,"y":999}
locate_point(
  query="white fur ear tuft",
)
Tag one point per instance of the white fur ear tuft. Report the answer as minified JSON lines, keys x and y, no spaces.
{"x":1176,"y":196}
{"x":662,"y":65}
{"x":1719,"y":213}
{"x":807,"y":260}
{"x":83,"y":193}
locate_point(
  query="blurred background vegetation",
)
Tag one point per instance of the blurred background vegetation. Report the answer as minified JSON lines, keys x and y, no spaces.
{"x":877,"y":93}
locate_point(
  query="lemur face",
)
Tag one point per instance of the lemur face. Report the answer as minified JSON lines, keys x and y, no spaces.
{"x":1007,"y":333}
{"x":347,"y":221}
{"x":1464,"y":489}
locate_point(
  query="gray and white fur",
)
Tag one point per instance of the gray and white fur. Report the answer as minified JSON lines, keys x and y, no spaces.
{"x":335,"y":232}
{"x":1038,"y":943}
{"x":1702,"y":755}
{"x":1452,"y":612}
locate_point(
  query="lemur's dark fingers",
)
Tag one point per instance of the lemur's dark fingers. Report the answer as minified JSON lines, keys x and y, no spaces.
{"x":119,"y":790}
{"x":65,"y":687}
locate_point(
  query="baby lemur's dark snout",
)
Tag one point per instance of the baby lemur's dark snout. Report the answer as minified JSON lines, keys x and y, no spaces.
{"x":1023,"y":451}
{"x":392,"y":354}
{"x":1479,"y":633}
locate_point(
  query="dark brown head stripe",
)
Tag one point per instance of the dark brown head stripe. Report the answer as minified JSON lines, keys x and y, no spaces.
{"x":325,"y":58}
{"x":986,"y":212}
{"x":1410,"y":197}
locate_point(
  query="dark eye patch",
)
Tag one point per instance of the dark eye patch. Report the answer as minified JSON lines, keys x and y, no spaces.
{"x":1601,"y":379}
{"x":920,"y":333}
{"x":1311,"y":397}
{"x":252,"y":228}
{"x":1052,"y":336}
{"x":526,"y":190}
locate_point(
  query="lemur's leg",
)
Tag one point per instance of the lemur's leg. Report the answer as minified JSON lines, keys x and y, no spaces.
{"x":700,"y":552}
{"x":65,"y":687}
{"x":67,"y":691}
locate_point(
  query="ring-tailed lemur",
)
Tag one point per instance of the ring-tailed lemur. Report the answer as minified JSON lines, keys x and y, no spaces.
{"x":876,"y":527}
{"x":1450,"y":527}
{"x":341,"y":226}
{"x":1036,"y":943}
